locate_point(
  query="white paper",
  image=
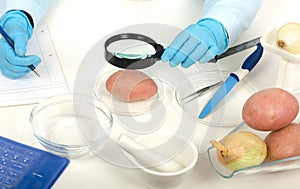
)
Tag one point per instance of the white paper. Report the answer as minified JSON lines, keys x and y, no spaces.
{"x":31,"y":88}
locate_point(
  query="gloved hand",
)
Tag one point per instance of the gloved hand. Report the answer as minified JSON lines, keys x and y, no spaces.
{"x":13,"y":62}
{"x":198,"y":42}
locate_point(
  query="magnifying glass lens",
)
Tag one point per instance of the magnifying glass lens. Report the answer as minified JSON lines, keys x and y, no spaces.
{"x":131,"y":49}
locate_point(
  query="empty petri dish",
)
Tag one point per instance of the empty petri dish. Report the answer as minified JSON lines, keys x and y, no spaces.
{"x":120,"y":107}
{"x":228,"y":112}
{"x":70,"y":124}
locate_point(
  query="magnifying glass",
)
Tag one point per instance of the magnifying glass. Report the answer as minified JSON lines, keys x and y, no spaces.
{"x":132,"y":51}
{"x":136,"y":51}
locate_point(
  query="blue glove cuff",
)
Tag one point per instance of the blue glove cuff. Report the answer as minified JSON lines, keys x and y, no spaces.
{"x":22,"y":19}
{"x":217,"y":30}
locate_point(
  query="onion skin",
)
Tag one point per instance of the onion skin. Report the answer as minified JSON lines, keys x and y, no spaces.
{"x":288,"y":37}
{"x":240,"y":149}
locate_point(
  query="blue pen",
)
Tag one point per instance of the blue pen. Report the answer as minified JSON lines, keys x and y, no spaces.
{"x":11,"y":43}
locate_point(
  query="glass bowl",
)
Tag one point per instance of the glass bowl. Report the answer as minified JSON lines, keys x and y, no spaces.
{"x":223,"y":114}
{"x":70,"y":124}
{"x":128,"y":108}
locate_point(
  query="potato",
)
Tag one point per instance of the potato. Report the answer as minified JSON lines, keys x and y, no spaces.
{"x":131,"y":85}
{"x":283,"y":143}
{"x":270,"y":109}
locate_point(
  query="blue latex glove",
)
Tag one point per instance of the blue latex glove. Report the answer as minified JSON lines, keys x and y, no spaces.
{"x":13,"y":62}
{"x":198,"y":42}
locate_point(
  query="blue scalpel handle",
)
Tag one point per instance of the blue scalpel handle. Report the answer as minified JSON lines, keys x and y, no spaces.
{"x":232,"y":80}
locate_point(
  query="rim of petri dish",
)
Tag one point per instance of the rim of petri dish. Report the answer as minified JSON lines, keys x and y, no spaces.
{"x":229,"y":112}
{"x":129,"y":108}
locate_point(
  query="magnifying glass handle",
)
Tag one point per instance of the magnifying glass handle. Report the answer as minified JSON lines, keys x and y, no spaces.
{"x":214,"y":60}
{"x":159,"y":51}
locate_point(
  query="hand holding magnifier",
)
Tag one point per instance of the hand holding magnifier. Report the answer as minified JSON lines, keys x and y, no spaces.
{"x":136,"y":51}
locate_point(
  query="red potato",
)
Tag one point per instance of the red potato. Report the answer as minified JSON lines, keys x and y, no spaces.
{"x":131,"y":85}
{"x":283,"y":143}
{"x":270,"y":109}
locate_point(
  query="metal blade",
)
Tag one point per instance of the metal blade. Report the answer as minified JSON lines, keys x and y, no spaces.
{"x":200,"y":92}
{"x":237,"y":49}
{"x":218,"y":96}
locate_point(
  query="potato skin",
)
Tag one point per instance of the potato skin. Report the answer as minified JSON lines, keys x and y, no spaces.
{"x":270,"y":109}
{"x":131,"y":85}
{"x":283,"y":143}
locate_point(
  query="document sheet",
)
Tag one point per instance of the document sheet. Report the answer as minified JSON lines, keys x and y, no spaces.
{"x":31,"y":88}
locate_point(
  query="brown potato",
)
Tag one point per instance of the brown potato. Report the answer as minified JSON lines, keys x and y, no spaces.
{"x":270,"y":109}
{"x":131,"y":85}
{"x":283,"y":143}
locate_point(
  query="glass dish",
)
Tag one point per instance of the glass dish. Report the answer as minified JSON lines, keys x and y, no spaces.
{"x":68,"y":125}
{"x":223,"y":114}
{"x":274,"y":166}
{"x":128,"y":108}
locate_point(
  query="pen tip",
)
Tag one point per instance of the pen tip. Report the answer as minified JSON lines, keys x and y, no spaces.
{"x":37,"y":73}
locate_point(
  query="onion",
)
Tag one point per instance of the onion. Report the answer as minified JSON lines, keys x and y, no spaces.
{"x":240,"y":149}
{"x":288,"y":37}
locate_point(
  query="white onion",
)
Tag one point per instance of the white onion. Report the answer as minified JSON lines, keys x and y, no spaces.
{"x":240,"y":149}
{"x":288,"y":37}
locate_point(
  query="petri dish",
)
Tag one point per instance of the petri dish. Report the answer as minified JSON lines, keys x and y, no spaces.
{"x":70,"y":124}
{"x":129,"y":108}
{"x":228,"y":113}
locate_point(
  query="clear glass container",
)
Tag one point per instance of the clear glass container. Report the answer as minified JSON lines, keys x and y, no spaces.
{"x":274,"y":166}
{"x":223,"y":115}
{"x":265,"y":167}
{"x":69,"y":125}
{"x":129,"y":108}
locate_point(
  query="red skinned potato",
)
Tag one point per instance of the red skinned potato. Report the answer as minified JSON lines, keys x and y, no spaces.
{"x":270,"y":109}
{"x":131,"y":85}
{"x":283,"y":143}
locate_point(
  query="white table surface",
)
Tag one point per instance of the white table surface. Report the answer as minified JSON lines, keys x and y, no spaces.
{"x":76,"y":25}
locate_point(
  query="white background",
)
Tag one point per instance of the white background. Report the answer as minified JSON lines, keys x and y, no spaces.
{"x":75,"y":25}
